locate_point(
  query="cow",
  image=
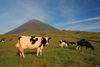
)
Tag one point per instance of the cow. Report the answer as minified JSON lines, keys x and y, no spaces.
{"x":31,"y":42}
{"x":83,"y":43}
{"x":2,"y":40}
{"x":71,"y":43}
{"x":12,"y":39}
{"x":63,"y":43}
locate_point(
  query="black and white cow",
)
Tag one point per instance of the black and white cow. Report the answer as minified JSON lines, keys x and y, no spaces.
{"x":63,"y":43}
{"x":83,"y":43}
{"x":2,"y":40}
{"x":71,"y":43}
{"x":31,"y":42}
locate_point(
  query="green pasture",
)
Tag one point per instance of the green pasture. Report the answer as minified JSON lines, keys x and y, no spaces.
{"x":53,"y":55}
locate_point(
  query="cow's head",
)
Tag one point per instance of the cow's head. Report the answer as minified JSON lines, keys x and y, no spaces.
{"x":45,"y":41}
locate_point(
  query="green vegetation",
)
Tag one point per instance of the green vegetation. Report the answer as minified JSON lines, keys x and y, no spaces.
{"x":53,"y":55}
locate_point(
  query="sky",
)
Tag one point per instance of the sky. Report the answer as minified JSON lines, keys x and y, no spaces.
{"x":75,"y":15}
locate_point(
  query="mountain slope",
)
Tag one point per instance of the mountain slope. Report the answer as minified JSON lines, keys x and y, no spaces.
{"x":32,"y":26}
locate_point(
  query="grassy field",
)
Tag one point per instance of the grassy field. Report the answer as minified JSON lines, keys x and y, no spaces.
{"x":53,"y":55}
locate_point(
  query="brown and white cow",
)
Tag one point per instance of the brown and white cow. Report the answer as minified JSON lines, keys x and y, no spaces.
{"x":31,"y":42}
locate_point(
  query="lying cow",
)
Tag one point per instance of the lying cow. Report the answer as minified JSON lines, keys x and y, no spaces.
{"x":83,"y":43}
{"x":63,"y":43}
{"x":71,"y":43}
{"x":2,"y":40}
{"x":31,"y":42}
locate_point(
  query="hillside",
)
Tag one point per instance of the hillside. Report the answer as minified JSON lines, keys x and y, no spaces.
{"x":32,"y":26}
{"x":53,"y":55}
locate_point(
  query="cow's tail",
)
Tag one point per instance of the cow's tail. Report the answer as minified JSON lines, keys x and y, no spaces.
{"x":19,"y":48}
{"x":19,"y":40}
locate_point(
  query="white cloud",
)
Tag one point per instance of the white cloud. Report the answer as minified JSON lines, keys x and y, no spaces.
{"x":89,"y":19}
{"x":69,"y":22}
{"x":84,"y":27}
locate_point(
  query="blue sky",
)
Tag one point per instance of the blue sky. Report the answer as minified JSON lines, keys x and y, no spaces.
{"x":81,"y":15}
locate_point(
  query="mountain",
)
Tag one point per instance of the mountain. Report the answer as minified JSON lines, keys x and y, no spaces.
{"x":32,"y":26}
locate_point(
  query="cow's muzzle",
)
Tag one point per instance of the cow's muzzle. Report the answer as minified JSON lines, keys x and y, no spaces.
{"x":47,"y":44}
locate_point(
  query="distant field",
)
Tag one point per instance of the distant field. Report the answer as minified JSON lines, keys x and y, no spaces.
{"x":53,"y":55}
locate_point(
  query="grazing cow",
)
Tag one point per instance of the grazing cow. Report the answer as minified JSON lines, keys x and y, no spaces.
{"x":31,"y":42}
{"x":83,"y":43}
{"x":71,"y":43}
{"x":12,"y":39}
{"x":63,"y":43}
{"x":2,"y":40}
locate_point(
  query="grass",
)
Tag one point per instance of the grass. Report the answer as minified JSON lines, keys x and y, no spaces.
{"x":53,"y":55}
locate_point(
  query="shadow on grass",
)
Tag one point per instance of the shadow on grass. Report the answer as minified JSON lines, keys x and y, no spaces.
{"x":30,"y":53}
{"x":67,"y":48}
{"x":71,"y":48}
{"x":27,"y":53}
{"x":57,"y":47}
{"x":61,"y":47}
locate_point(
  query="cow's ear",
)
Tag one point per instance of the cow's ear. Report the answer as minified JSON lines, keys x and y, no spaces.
{"x":42,"y":38}
{"x":49,"y":37}
{"x":36,"y":39}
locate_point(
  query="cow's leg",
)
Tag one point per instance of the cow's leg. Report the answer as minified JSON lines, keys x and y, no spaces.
{"x":77,"y":47}
{"x":92,"y":47}
{"x":86,"y":47}
{"x":23,"y":53}
{"x":66,"y":45}
{"x":61,"y":45}
{"x":20,"y":52}
{"x":41,"y":50}
{"x":38,"y":50}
